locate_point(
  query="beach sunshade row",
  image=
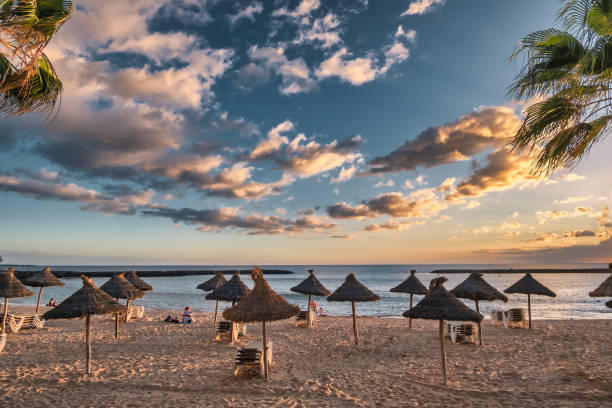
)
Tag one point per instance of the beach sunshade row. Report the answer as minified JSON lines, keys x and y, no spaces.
{"x":137,"y":282}
{"x":440,"y":304}
{"x":352,"y":291}
{"x":119,"y":288}
{"x":42,"y":279}
{"x":213,"y":283}
{"x":88,"y":300}
{"x":411,"y":285}
{"x":604,"y":290}
{"x":232,"y":291}
{"x":527,"y":285}
{"x":474,"y":287}
{"x":262,"y":304}
{"x":311,"y":286}
{"x":11,"y":287}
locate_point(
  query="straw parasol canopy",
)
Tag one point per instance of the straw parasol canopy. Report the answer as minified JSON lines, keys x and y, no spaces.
{"x":87,"y":301}
{"x":311,"y":287}
{"x":413,"y":286}
{"x":475,"y":288}
{"x":232,"y":291}
{"x":527,"y":285}
{"x":42,"y":279}
{"x":263,"y":305}
{"x":442,"y":305}
{"x":603,"y":290}
{"x":213,"y":283}
{"x":11,"y":287}
{"x":119,"y":288}
{"x":353,"y":291}
{"x":139,"y":283}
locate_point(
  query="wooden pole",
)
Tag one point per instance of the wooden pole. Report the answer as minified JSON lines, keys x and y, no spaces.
{"x":410,"y":318}
{"x":87,"y":345}
{"x":232,"y":327}
{"x":215,"y":319}
{"x":355,"y":323}
{"x":127,"y":310}
{"x":442,"y":349}
{"x":479,"y":326}
{"x":308,"y":315}
{"x":529,"y":308}
{"x":265,"y":350}
{"x":4,"y":315}
{"x":116,"y":325}
{"x":38,"y":303}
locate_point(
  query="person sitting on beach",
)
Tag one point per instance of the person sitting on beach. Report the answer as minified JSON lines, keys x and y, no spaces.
{"x":187,"y":316}
{"x":51,"y":303}
{"x":314,"y":306}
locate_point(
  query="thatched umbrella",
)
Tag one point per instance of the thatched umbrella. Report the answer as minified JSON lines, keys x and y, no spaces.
{"x":353,"y":291}
{"x":11,"y":287}
{"x":232,"y":291}
{"x":213,"y":283}
{"x":139,"y":283}
{"x":475,"y":288}
{"x":442,"y":305}
{"x":311,"y":287}
{"x":603,"y":290}
{"x":42,"y":279}
{"x":87,"y":301}
{"x":527,"y":285}
{"x":263,"y":305}
{"x":413,"y":286}
{"x":119,"y":288}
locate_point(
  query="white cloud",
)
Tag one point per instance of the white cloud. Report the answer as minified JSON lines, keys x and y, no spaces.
{"x":388,"y":183}
{"x":571,"y":200}
{"x":274,"y":141}
{"x":572,"y":177}
{"x":246,"y":13}
{"x":418,"y":7}
{"x":345,"y":174}
{"x":295,"y":74}
{"x":410,"y":35}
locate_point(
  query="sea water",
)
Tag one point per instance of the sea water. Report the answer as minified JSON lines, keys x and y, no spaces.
{"x":174,"y":293}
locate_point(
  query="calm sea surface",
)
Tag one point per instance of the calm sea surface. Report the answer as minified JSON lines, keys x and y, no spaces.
{"x":572,"y":290}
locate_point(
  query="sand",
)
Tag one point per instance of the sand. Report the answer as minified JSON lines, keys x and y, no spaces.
{"x":155,"y":364}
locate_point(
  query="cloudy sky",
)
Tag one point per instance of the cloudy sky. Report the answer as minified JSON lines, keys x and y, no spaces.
{"x":292,"y":132}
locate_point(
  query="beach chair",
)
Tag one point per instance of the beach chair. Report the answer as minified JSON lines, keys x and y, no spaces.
{"x":497,"y":317}
{"x":515,"y":318}
{"x":302,"y":319}
{"x":462,"y":332}
{"x":249,"y":360}
{"x":136,"y":312}
{"x":2,"y":341}
{"x":14,"y":322}
{"x":223,"y":331}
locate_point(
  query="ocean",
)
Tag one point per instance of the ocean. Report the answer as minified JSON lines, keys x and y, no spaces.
{"x":572,"y":301}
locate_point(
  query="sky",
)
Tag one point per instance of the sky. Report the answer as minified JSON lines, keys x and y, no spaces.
{"x":292,"y":132}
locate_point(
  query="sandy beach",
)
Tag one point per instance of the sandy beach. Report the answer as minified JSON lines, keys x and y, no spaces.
{"x":560,"y":363}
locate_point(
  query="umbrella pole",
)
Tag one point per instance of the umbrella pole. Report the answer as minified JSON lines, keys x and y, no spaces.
{"x":4,"y":315}
{"x":38,"y":303}
{"x":529,"y":308}
{"x":442,"y":349}
{"x":116,"y":325}
{"x":479,"y":326}
{"x":87,"y":345}
{"x":355,"y":324}
{"x":127,"y":310}
{"x":410,"y":319}
{"x":232,"y":327}
{"x":265,"y":350}
{"x":215,"y":319}
{"x":308,"y":309}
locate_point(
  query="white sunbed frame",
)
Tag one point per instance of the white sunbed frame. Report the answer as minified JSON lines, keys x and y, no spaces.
{"x":2,"y":341}
{"x":17,"y":322}
{"x":458,"y":334}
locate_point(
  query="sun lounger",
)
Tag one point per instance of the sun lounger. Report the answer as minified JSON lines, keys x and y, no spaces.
{"x":17,"y":322}
{"x":224,"y":331}
{"x":302,"y":319}
{"x":497,"y":317}
{"x":2,"y":341}
{"x":249,"y":360}
{"x":136,"y":312}
{"x":462,"y":332}
{"x":514,"y":318}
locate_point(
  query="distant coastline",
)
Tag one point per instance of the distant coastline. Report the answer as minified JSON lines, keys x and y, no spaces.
{"x":533,"y":270}
{"x":149,"y":274}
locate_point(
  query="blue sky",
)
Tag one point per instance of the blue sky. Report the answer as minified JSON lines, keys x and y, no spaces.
{"x":349,"y":131}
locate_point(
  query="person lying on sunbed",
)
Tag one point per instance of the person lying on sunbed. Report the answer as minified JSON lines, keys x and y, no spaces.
{"x":170,"y":319}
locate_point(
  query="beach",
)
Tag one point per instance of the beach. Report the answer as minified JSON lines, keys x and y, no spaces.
{"x":559,"y":363}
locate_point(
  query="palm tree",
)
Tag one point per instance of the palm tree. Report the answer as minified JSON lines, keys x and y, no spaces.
{"x":571,"y":69}
{"x":28,"y":81}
